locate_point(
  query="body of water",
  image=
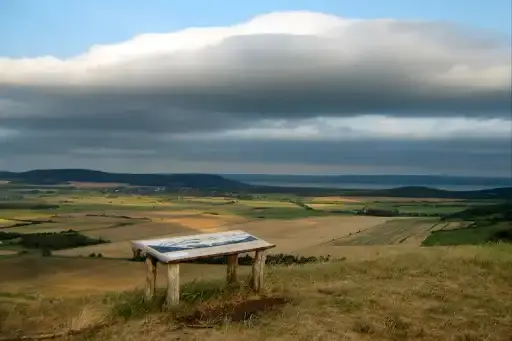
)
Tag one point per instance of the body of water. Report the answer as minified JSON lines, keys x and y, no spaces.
{"x":368,"y":186}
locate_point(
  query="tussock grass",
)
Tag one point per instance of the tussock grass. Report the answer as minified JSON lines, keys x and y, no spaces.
{"x":458,"y":293}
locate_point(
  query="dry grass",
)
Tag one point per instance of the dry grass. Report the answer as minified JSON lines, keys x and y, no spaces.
{"x":453,"y":294}
{"x":75,"y":276}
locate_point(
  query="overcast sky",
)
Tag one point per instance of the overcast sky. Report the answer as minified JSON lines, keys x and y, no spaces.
{"x":283,"y":92}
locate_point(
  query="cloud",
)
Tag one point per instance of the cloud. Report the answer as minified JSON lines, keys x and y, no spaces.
{"x":463,"y":156}
{"x":370,"y":127}
{"x":289,"y":79}
{"x":295,"y":64}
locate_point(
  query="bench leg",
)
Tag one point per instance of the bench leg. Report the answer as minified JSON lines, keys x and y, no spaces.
{"x":173,"y":284}
{"x":151,"y":263}
{"x":258,"y":268}
{"x":232,"y":261}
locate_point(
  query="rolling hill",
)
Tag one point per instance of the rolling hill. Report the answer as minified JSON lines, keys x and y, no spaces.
{"x":62,"y":176}
{"x":218,"y":182}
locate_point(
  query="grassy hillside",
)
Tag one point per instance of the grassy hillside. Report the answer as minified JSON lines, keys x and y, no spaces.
{"x":422,"y":294}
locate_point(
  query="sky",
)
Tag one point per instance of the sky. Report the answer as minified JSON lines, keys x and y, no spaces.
{"x":293,"y":87}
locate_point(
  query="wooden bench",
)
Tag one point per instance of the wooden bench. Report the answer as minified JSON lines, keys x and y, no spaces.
{"x":173,"y":251}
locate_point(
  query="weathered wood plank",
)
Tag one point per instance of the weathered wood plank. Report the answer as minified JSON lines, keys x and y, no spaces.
{"x":151,"y":263}
{"x":201,"y":246}
{"x":258,"y":271}
{"x":173,"y":284}
{"x":232,"y":262}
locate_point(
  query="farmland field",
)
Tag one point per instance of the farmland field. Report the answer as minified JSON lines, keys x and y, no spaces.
{"x":295,"y":225}
{"x":301,"y":226}
{"x":89,"y":279}
{"x":396,"y":231}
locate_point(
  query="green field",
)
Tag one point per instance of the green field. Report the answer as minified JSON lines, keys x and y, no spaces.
{"x":412,"y":207}
{"x":466,"y":236}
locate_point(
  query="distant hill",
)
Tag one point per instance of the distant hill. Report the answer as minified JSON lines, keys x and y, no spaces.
{"x":217,"y":182}
{"x":427,"y":192}
{"x":372,"y":181}
{"x":504,"y":193}
{"x":62,"y":176}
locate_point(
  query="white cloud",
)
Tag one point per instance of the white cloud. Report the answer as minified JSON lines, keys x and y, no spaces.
{"x":364,"y":127}
{"x":289,"y":59}
{"x":276,"y":81}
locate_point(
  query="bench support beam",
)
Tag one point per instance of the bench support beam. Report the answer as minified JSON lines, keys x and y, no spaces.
{"x":173,"y":284}
{"x":150,"y":277}
{"x":232,"y":261}
{"x":258,"y":268}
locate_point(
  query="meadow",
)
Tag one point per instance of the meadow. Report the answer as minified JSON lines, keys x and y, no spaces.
{"x":423,"y":294}
{"x":381,"y":283}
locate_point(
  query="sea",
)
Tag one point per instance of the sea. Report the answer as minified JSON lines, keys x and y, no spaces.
{"x":372,"y":186}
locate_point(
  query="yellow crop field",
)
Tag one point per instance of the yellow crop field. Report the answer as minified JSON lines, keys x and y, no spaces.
{"x":266,"y":203}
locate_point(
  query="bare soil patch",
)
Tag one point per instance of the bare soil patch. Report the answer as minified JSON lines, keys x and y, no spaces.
{"x":233,"y":311}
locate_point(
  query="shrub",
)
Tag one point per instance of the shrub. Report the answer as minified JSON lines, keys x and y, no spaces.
{"x":502,"y":236}
{"x":50,"y":240}
{"x":277,"y":259}
{"x":56,"y":240}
